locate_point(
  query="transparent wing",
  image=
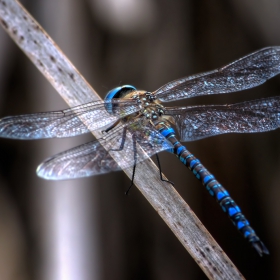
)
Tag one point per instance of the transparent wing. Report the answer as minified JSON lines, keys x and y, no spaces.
{"x":67,"y":122}
{"x":92,"y":159}
{"x":86,"y":160}
{"x":199,"y":122}
{"x":247,"y":72}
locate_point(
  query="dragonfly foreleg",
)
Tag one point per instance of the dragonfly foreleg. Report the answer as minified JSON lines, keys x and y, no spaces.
{"x":111,"y":126}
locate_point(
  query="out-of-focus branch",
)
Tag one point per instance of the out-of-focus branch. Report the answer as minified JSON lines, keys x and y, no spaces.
{"x":65,"y":78}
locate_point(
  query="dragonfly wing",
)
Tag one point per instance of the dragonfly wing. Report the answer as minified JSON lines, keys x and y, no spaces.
{"x":65,"y":123}
{"x":86,"y":160}
{"x":198,"y":122}
{"x":92,"y":159}
{"x":244,"y":73}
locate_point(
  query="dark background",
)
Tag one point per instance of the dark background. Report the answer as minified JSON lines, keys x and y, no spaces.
{"x":87,"y":228}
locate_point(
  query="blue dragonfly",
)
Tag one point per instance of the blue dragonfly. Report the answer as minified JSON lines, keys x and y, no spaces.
{"x":129,"y":117}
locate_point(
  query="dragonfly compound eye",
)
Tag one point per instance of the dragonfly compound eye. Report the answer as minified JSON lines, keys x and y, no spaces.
{"x":115,"y":93}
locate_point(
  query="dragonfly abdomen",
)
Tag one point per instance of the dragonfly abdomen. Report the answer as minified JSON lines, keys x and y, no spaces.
{"x":214,"y":188}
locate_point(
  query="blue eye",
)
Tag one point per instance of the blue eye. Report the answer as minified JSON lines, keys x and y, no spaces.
{"x":117,"y":92}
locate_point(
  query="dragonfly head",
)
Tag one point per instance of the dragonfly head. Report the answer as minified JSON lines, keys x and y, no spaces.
{"x":118,"y":92}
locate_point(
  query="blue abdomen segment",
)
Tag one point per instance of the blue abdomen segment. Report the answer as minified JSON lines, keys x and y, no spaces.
{"x":117,"y":92}
{"x":215,"y":189}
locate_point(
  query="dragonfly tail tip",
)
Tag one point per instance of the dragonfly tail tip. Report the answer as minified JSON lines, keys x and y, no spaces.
{"x":260,"y":248}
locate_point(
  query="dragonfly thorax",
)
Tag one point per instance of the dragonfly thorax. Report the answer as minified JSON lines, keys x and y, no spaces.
{"x":150,"y":107}
{"x":153,"y":111}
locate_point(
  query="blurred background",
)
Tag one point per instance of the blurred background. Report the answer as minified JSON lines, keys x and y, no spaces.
{"x":87,"y":228}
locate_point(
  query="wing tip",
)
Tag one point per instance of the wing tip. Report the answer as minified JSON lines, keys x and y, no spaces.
{"x":43,"y":173}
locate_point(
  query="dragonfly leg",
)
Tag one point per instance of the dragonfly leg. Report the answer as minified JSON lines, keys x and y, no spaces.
{"x":123,"y":141}
{"x":111,"y":126}
{"x":134,"y":166}
{"x":160,"y":171}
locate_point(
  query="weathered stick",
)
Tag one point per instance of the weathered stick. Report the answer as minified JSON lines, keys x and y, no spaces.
{"x":73,"y":88}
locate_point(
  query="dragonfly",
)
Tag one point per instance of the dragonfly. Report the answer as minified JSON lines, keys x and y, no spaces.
{"x":129,"y":117}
